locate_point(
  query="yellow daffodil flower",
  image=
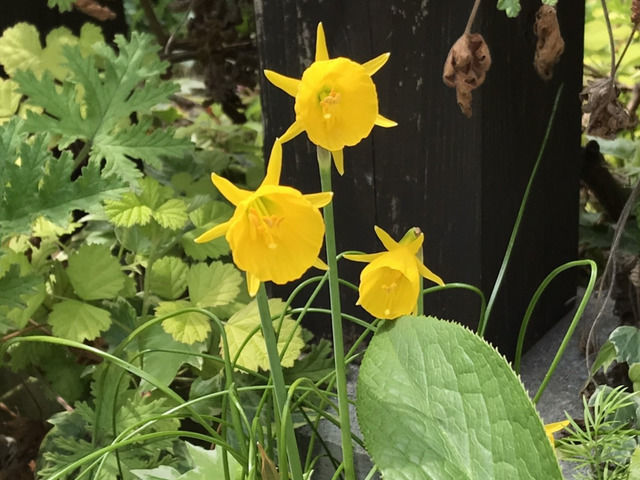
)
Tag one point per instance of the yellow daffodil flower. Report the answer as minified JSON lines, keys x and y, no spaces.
{"x":552,"y":428}
{"x":390,"y":284}
{"x":336,"y":100}
{"x":276,"y":232}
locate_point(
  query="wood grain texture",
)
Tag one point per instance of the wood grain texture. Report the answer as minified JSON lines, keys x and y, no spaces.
{"x":460,"y":180}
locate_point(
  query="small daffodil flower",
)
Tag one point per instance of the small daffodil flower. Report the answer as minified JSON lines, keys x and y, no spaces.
{"x":390,"y":284}
{"x":336,"y":101}
{"x":552,"y":428}
{"x":276,"y":232}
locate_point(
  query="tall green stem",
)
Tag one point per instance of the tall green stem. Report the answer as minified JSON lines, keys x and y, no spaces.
{"x":516,"y":226}
{"x":279,"y":386}
{"x":324,"y":164}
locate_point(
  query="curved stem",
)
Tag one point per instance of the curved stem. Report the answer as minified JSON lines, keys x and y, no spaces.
{"x":574,"y":323}
{"x":324,"y":165}
{"x":612,"y":46}
{"x":516,"y":225}
{"x":472,"y":17}
{"x":280,"y":392}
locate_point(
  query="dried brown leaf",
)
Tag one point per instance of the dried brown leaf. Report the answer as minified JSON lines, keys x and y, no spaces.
{"x":466,"y":67}
{"x":95,"y":10}
{"x":550,"y":42}
{"x":604,"y":115}
{"x":635,"y":12}
{"x":268,"y":470}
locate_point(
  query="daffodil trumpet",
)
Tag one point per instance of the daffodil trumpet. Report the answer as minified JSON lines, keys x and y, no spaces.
{"x":336,"y":101}
{"x":391,"y":284}
{"x":276,"y":232}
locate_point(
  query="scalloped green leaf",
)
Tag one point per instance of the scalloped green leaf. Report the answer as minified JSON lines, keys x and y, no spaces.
{"x":189,"y":327}
{"x":169,"y":277}
{"x":172,"y":214}
{"x":436,"y":401}
{"x":510,"y":7}
{"x":244,"y":326}
{"x":78,"y":321}
{"x":213,"y":285}
{"x":127,"y":211}
{"x":626,"y":340}
{"x":95,"y":273}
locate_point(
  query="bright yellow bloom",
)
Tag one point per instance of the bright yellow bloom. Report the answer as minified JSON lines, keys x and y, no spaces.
{"x":336,"y":100}
{"x":276,"y":232}
{"x":390,"y":284}
{"x":551,"y":428}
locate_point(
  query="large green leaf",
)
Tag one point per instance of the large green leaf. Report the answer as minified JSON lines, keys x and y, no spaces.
{"x":213,"y":285}
{"x":435,"y":401}
{"x":510,"y":7}
{"x":626,"y":340}
{"x":189,"y":327}
{"x":95,"y":273}
{"x":78,"y":320}
{"x":169,"y":277}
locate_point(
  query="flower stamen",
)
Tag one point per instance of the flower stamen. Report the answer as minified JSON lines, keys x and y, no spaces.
{"x":264,"y":226}
{"x":328,"y":103}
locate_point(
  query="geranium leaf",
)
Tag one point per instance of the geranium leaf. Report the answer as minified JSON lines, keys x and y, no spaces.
{"x":9,"y":99}
{"x":63,"y":5}
{"x":213,"y":285}
{"x":187,"y":327}
{"x":436,"y":401}
{"x":78,"y":321}
{"x":169,"y":277}
{"x":172,"y":214}
{"x":626,"y":340}
{"x":95,"y":273}
{"x":242,"y":325}
{"x":40,"y":185}
{"x":15,"y":290}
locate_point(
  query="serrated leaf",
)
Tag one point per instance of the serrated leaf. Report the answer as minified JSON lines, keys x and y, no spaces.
{"x":9,"y":99}
{"x":213,"y":285}
{"x":40,"y":185}
{"x":211,"y":214}
{"x":172,"y":214}
{"x":16,"y":289}
{"x":187,"y":327}
{"x":245,"y":326}
{"x":95,"y":273}
{"x":20,"y":48}
{"x":626,"y":340}
{"x":78,"y":321}
{"x":314,"y":365}
{"x":510,"y":7}
{"x":436,"y":401}
{"x":63,"y":5}
{"x":127,"y":211}
{"x":169,"y":277}
{"x":129,"y":83}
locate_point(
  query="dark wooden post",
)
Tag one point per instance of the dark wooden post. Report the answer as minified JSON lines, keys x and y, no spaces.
{"x":460,"y":180}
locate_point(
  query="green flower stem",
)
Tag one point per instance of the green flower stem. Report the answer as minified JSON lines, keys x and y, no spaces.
{"x":279,"y":386}
{"x":324,"y":164}
{"x":574,"y":323}
{"x":482,"y":325}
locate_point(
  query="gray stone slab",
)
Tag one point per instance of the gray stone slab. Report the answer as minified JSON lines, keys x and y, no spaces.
{"x":561,"y":395}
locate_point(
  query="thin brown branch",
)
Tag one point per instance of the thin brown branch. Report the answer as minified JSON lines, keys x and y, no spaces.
{"x":472,"y":16}
{"x":154,"y":24}
{"x":626,"y":46}
{"x":612,"y":46}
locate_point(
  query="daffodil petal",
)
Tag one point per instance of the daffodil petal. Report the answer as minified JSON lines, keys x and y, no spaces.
{"x":363,"y":257}
{"x":556,"y":426}
{"x":415,"y":244}
{"x":232,"y":193}
{"x":293,"y":131}
{"x":213,"y":233}
{"x":288,"y":84}
{"x":321,"y":44}
{"x":253,"y":284}
{"x":319,"y":264}
{"x":388,"y":242}
{"x":338,"y":159}
{"x":373,"y":65}
{"x":319,"y":200}
{"x":426,"y":273}
{"x":274,"y":166}
{"x":385,"y":122}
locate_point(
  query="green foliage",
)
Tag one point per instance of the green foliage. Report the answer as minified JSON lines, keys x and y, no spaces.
{"x":129,"y":83}
{"x":63,"y":5}
{"x":458,"y":409}
{"x":510,"y":7}
{"x":247,"y":344}
{"x":40,"y":185}
{"x":187,"y":327}
{"x":213,"y":285}
{"x":103,"y":280}
{"x":608,"y":438}
{"x":169,"y":278}
{"x":78,"y":321}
